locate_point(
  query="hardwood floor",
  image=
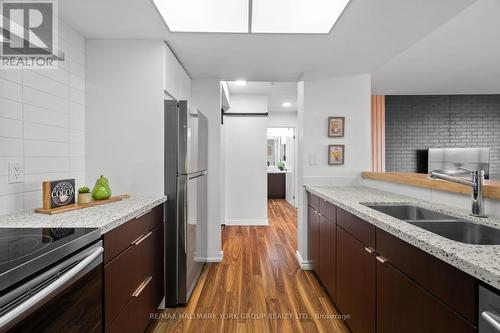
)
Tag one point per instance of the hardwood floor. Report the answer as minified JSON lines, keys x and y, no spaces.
{"x":258,"y":287}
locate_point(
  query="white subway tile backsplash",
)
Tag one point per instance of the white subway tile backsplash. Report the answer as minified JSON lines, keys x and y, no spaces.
{"x":42,"y":99}
{"x":33,"y":182}
{"x":11,"y":203}
{"x":76,"y":136}
{"x":60,"y":75}
{"x":77,"y":164}
{"x":76,"y":96}
{"x":11,"y":147}
{"x":10,"y":90}
{"x":39,"y":115}
{"x":11,"y":109}
{"x":45,"y":164}
{"x":14,"y":75}
{"x":45,"y":84}
{"x":77,"y":109}
{"x":11,"y":128}
{"x":33,"y":131}
{"x":77,"y":150}
{"x":76,"y":82}
{"x":32,"y":200}
{"x":33,"y":148}
{"x":7,"y":188}
{"x":42,"y":124}
{"x":77,"y":123}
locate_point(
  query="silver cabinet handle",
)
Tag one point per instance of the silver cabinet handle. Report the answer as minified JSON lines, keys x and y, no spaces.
{"x":369,"y":250}
{"x":141,"y":287}
{"x":33,"y":301}
{"x":381,"y":259}
{"x":492,"y":319}
{"x":141,"y":239}
{"x":142,"y":214}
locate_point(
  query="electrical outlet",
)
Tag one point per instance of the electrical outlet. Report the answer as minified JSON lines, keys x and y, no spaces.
{"x":16,"y":172}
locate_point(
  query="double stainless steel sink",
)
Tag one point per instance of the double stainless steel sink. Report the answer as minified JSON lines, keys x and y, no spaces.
{"x":441,"y":224}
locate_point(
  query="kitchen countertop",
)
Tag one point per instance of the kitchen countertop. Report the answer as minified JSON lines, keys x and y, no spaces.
{"x":105,"y":217}
{"x":480,"y":261}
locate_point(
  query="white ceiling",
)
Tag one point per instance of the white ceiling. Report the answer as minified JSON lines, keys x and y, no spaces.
{"x":461,"y":57}
{"x":276,"y":92}
{"x":368,"y":35}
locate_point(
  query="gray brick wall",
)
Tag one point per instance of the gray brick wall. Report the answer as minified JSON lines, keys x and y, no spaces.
{"x":420,"y":122}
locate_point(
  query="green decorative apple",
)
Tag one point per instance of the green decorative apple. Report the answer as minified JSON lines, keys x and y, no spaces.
{"x":101,"y":190}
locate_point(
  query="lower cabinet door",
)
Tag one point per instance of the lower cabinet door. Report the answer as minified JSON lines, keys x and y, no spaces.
{"x":356,"y":283}
{"x":327,"y":255}
{"x":404,"y":306}
{"x":313,"y":239}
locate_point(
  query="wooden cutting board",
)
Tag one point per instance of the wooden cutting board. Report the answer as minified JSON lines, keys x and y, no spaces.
{"x":77,"y":206}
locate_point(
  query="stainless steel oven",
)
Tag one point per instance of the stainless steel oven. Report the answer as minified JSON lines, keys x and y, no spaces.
{"x":489,"y":310}
{"x":64,"y":297}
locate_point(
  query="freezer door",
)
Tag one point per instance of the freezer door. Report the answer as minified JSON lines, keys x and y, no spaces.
{"x":192,"y":231}
{"x":189,"y":140}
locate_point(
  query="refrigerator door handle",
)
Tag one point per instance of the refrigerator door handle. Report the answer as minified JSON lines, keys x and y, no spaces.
{"x":201,"y":174}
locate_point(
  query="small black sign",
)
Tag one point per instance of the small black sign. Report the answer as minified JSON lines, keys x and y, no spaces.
{"x":62,"y":193}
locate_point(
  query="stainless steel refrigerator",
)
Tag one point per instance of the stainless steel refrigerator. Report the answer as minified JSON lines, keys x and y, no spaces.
{"x":186,"y":144}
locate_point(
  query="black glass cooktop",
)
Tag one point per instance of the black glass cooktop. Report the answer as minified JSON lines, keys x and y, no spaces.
{"x":26,"y":251}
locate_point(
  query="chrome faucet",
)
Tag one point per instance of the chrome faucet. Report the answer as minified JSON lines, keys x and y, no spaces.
{"x":477,"y":184}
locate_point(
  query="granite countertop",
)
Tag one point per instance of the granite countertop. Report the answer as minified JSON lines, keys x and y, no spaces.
{"x":480,"y":261}
{"x":105,"y":217}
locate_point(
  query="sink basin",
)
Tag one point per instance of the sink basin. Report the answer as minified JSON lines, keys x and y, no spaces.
{"x":441,"y":224}
{"x":464,"y":232}
{"x":412,"y":213}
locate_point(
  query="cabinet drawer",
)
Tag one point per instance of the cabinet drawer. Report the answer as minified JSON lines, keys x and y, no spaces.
{"x":119,"y":239}
{"x":362,"y":230}
{"x":327,"y":209}
{"x":125,"y":274}
{"x":135,"y":317}
{"x":313,"y":200}
{"x":404,"y":306}
{"x":452,"y":286}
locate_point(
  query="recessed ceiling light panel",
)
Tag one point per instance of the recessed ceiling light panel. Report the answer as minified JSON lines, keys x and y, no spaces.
{"x":240,"y":83}
{"x":296,"y":16}
{"x":204,"y":15}
{"x":286,"y":104}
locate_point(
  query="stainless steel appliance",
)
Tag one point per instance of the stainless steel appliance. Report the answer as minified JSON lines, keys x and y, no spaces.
{"x":489,"y":310}
{"x":186,"y":145}
{"x":50,"y":280}
{"x":449,"y":161}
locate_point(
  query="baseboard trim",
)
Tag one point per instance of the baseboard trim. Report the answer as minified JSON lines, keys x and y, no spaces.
{"x":247,"y":222}
{"x":215,"y":257}
{"x":304,"y":265}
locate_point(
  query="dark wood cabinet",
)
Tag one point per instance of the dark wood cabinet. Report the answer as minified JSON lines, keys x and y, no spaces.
{"x":327,"y":240}
{"x":313,"y":239}
{"x":276,"y":185}
{"x":356,"y":283}
{"x":383,"y":283}
{"x":404,"y":306}
{"x":133,"y":272}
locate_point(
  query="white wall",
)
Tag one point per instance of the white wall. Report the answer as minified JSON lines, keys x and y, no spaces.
{"x":42,"y":124}
{"x":125,"y":132}
{"x":282,"y":119}
{"x":206,"y":96}
{"x":246,"y":162}
{"x":349,"y":97}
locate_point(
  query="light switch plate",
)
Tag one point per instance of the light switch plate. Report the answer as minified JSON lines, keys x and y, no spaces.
{"x":312,"y":159}
{"x":16,"y":172}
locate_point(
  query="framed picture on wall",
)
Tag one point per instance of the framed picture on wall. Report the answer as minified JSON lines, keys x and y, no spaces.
{"x":336,"y":127}
{"x":336,"y":154}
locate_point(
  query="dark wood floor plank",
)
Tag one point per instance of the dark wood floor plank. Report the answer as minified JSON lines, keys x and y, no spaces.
{"x":259,"y":276}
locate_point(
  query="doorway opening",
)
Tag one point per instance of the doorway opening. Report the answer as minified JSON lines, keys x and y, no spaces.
{"x":281,"y":152}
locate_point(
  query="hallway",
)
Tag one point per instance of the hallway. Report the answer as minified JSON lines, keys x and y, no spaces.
{"x":258,"y":287}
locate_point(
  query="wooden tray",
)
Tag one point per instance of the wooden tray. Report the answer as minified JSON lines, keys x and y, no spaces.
{"x":76,"y":206}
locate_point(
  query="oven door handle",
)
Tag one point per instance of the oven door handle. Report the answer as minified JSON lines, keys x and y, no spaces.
{"x":492,"y":319}
{"x":26,"y":307}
